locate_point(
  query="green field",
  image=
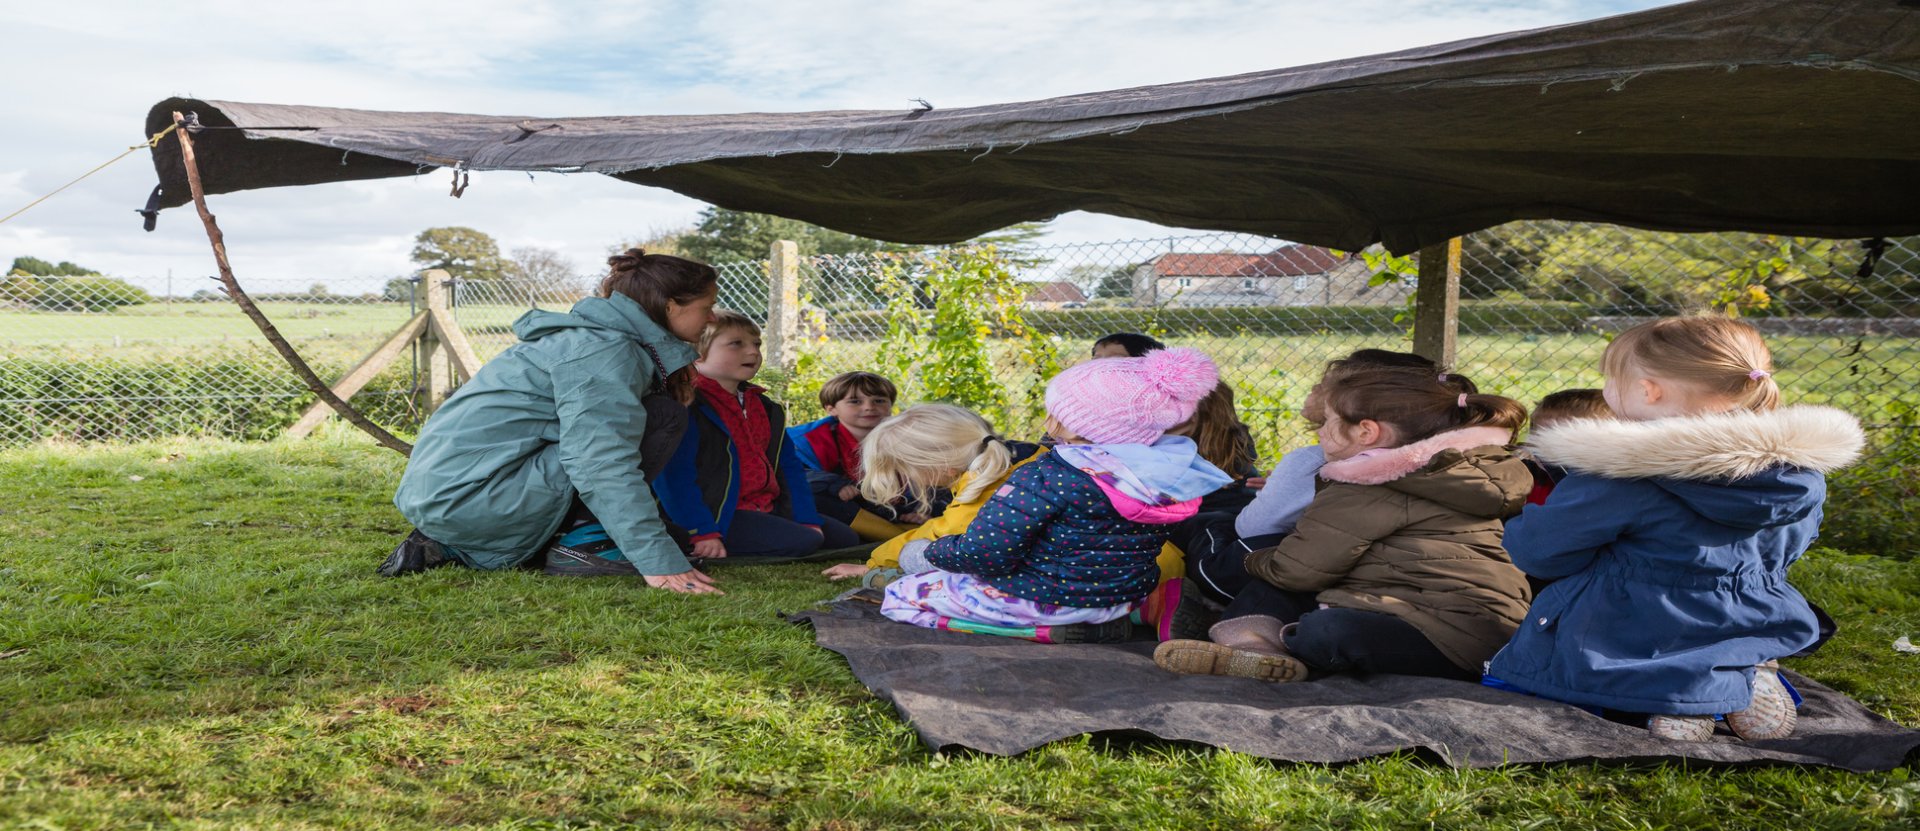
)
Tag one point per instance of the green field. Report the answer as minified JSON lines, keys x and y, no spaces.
{"x":193,"y":637}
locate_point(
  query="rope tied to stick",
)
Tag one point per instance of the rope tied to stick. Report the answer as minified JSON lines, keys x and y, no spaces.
{"x":152,"y":142}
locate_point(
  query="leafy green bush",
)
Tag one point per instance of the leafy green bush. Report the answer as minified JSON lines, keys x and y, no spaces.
{"x":71,"y":294}
{"x":1874,"y":506}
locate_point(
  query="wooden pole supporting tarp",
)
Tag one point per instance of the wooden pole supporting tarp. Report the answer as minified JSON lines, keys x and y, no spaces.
{"x":1436,"y":311}
{"x":253,"y":312}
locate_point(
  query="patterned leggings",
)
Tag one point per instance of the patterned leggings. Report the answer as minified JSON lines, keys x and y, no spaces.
{"x":965,"y":603}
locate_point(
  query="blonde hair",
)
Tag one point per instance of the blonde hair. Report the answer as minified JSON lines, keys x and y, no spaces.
{"x":724,"y":319}
{"x":1718,"y":356}
{"x":917,"y":451}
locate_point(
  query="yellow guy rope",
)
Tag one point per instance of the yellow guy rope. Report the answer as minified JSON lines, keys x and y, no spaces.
{"x":151,"y":142}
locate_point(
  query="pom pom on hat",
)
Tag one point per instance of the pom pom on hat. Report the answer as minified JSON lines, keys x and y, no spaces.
{"x":1131,"y":400}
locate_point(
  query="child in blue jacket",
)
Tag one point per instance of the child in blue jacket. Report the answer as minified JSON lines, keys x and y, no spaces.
{"x":856,"y":402}
{"x":1669,"y":539}
{"x":735,"y":486}
{"x":1072,"y":537}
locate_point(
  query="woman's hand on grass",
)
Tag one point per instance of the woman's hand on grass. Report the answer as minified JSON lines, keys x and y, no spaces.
{"x":709,"y":549}
{"x":845,"y":570}
{"x":686,"y":582}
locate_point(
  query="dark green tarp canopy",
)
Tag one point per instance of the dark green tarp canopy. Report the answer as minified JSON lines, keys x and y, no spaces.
{"x":1785,"y":116}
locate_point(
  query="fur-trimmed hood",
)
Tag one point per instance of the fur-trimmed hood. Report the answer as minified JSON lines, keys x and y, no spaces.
{"x":1725,"y":446}
{"x":1469,"y":470}
{"x":1745,"y":470}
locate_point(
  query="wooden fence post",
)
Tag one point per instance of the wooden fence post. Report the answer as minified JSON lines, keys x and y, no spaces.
{"x":445,"y":355}
{"x":783,"y":304}
{"x":432,"y":293}
{"x":1436,"y":313}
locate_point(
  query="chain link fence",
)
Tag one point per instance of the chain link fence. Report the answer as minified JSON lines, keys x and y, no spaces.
{"x":86,"y":359}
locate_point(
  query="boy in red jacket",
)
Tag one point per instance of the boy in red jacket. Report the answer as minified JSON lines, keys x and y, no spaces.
{"x":735,"y":485}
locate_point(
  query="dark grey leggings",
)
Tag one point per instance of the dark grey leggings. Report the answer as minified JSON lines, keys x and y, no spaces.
{"x":1347,"y":640}
{"x":757,"y":535}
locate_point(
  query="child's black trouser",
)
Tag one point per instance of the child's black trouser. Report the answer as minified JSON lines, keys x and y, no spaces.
{"x":1346,"y":640}
{"x":1216,"y":556}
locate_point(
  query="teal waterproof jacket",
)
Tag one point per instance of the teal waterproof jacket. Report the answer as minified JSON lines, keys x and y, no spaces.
{"x":495,"y":469}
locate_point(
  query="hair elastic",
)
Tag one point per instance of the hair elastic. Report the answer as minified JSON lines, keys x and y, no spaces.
{"x":1462,"y":401}
{"x":1443,"y":377}
{"x":1759,"y":374}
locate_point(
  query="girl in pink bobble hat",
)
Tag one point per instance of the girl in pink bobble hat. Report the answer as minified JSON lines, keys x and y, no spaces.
{"x":1065,"y":550}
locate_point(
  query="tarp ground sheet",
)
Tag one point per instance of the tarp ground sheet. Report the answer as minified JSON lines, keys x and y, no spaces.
{"x":1778,"y":116}
{"x":1005,"y":696}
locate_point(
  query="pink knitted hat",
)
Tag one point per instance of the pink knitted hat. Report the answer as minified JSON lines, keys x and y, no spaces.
{"x":1131,"y":400}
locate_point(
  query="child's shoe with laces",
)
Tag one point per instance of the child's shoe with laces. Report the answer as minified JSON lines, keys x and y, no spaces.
{"x":1771,"y":714}
{"x":1681,"y":728}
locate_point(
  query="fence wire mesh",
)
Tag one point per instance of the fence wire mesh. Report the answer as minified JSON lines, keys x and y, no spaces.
{"x":88,"y":359}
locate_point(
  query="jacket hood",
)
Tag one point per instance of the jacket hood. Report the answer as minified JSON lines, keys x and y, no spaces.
{"x":617,"y":314}
{"x":1773,"y":497}
{"x":1469,"y":470}
{"x":1715,"y":448}
{"x":1158,"y":483}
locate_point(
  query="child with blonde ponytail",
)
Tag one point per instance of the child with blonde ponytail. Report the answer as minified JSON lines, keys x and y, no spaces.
{"x":914,"y":455}
{"x":1669,"y":540}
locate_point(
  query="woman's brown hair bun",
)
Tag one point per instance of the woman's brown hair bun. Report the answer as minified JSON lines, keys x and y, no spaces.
{"x":652,"y":280}
{"x":627,"y":260}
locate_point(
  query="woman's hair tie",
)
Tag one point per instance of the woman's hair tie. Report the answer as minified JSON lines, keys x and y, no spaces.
{"x":989,"y":439}
{"x":1759,"y":374}
{"x":1443,"y":378}
{"x":1461,"y":402}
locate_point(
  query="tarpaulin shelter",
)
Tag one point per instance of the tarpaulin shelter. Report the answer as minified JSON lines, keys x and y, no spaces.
{"x":1783,"y":116}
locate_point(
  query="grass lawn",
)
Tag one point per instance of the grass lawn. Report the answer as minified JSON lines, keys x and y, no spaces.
{"x":191,"y":635}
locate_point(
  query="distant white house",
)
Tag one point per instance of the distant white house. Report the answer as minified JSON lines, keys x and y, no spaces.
{"x":1292,"y":275}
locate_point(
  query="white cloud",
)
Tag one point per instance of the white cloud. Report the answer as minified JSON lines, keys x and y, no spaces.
{"x":95,"y":69}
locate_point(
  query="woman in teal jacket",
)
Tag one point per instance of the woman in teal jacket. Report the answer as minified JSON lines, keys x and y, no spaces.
{"x":551,"y":433}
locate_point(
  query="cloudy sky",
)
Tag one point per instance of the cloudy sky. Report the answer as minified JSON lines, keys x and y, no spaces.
{"x":81,"y":75}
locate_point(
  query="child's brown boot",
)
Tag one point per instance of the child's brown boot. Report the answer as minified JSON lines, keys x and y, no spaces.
{"x":1242,"y":647}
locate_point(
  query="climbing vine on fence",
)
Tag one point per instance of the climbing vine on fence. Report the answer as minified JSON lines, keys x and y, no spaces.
{"x":944,"y":312}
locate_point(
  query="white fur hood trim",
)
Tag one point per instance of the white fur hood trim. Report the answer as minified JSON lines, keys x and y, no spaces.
{"x":1378,"y":467}
{"x":1722,"y":446}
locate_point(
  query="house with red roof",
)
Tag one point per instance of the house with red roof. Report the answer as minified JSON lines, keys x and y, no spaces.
{"x":1058,"y":294}
{"x":1291,"y":275}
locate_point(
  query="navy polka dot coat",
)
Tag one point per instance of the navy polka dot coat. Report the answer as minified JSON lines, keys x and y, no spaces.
{"x":1051,"y":535}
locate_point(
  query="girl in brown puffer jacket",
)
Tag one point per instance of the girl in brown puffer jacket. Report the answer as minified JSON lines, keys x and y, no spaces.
{"x":1397,"y":565}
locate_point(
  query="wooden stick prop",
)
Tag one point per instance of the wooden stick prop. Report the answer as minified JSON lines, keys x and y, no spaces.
{"x":300,"y":368}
